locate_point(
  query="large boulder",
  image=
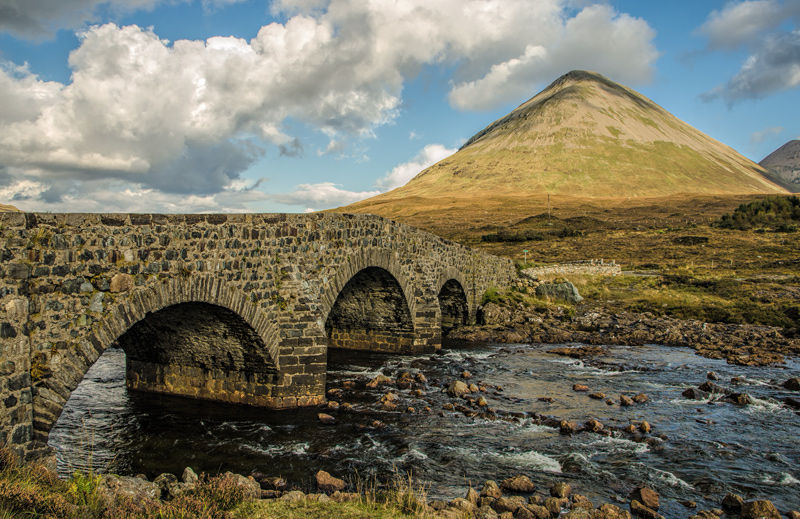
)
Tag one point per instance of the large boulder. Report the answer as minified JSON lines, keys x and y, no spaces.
{"x":328,"y":483}
{"x":565,"y":291}
{"x":518,"y":484}
{"x":457,"y":388}
{"x":732,"y":503}
{"x":761,"y":509}
{"x":646,"y":496}
{"x":792,"y":384}
{"x":608,"y":511}
{"x":491,"y":489}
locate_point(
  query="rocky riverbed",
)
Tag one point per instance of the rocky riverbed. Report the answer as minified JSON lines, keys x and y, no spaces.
{"x":605,"y":420}
{"x":516,"y":497}
{"x":746,"y":345}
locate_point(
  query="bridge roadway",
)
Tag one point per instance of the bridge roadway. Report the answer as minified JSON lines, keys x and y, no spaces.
{"x":235,"y":308}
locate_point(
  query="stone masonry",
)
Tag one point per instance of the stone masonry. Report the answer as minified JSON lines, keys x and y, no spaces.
{"x":235,"y":308}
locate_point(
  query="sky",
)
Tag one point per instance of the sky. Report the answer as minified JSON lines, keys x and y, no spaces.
{"x":299,"y":105}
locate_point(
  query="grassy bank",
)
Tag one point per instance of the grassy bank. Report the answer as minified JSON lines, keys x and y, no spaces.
{"x":31,"y":491}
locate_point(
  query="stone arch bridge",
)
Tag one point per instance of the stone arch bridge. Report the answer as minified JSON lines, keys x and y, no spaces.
{"x":236,"y":308}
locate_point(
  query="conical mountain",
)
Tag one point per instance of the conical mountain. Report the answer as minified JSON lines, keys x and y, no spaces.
{"x":587,"y":136}
{"x":784,"y":163}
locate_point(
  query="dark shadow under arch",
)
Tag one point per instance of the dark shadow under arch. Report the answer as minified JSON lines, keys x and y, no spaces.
{"x":371,"y":313}
{"x":453,"y":305}
{"x":200,"y":335}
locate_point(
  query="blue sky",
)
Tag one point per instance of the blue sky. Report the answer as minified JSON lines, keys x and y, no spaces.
{"x":292,"y":105}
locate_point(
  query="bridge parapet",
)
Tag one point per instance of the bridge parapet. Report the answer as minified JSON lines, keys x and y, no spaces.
{"x":269,"y":289}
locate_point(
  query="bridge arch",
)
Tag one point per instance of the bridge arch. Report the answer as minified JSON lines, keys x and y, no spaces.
{"x":372,"y":306}
{"x":204,"y":296}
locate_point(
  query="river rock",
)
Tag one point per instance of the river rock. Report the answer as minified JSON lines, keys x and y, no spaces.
{"x":578,"y":513}
{"x":457,"y":388}
{"x":519,"y":484}
{"x":732,"y":503}
{"x":695,"y":394}
{"x":704,"y":514}
{"x":378,"y":381}
{"x":463,"y":505}
{"x":561,"y":489}
{"x":625,"y":401}
{"x":641,"y":398}
{"x":739,"y":399}
{"x":567,"y":427}
{"x":554,"y":505}
{"x":645,"y":428}
{"x":109,"y":488}
{"x":760,"y":509}
{"x":326,"y":419}
{"x":328,"y":483}
{"x":539,"y":511}
{"x":712,"y":376}
{"x":189,"y":476}
{"x":472,"y":496}
{"x":508,"y":504}
{"x":593,"y":426}
{"x":485,"y":512}
{"x":390,"y":397}
{"x":639,"y":510}
{"x":794,"y":514}
{"x":580,"y":387}
{"x":646,"y":496}
{"x":597,"y":396}
{"x":792,"y":384}
{"x":710,"y":387}
{"x":609,"y":511}
{"x":491,"y":489}
{"x":524,"y":512}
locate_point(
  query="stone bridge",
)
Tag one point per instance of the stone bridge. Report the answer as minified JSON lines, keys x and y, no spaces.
{"x":235,"y":308}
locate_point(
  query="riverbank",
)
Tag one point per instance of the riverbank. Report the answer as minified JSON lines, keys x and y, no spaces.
{"x":32,"y":490}
{"x":741,"y":344}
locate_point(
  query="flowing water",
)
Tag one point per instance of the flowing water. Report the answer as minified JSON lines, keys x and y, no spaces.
{"x":698,"y":450}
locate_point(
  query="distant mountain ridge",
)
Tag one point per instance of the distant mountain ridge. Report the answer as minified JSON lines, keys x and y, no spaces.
{"x":587,"y":136}
{"x":784,"y":164}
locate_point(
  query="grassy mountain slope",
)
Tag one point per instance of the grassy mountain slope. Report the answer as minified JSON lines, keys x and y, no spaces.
{"x":586,"y":136}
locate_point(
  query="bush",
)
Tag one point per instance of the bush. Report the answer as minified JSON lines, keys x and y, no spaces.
{"x":777,"y":212}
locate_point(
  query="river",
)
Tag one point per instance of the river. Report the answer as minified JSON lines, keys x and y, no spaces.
{"x":697,"y":451}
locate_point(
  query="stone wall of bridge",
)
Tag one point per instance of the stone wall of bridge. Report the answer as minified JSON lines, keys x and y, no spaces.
{"x":247,"y":301}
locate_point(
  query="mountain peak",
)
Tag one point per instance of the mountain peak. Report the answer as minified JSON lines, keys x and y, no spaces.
{"x":586,"y":135}
{"x":784,"y":164}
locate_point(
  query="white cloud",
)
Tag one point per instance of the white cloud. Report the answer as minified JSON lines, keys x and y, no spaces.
{"x":189,"y":117}
{"x":401,"y":174}
{"x":774,"y":67}
{"x":759,"y":137}
{"x":597,"y":38}
{"x":742,"y":23}
{"x":324,"y":195}
{"x":773,"y":64}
